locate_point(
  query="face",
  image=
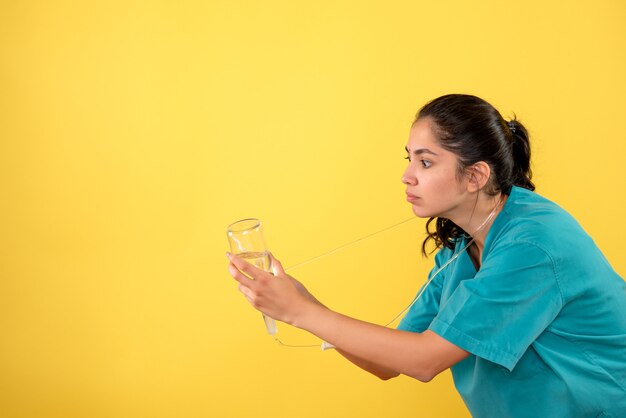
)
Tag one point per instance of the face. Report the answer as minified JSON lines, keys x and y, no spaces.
{"x":432,"y":183}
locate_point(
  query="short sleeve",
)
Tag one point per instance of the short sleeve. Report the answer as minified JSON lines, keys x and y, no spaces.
{"x":420,"y":315}
{"x":512,"y":299}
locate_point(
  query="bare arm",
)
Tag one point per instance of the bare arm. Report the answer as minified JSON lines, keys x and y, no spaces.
{"x":382,"y":351}
{"x":385,"y":351}
{"x":368,"y":366}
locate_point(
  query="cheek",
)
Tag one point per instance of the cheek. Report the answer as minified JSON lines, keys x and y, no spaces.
{"x":441,"y":181}
{"x":439,"y":189}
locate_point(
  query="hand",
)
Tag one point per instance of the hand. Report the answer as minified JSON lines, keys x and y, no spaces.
{"x":278,"y":269}
{"x":277,"y":295}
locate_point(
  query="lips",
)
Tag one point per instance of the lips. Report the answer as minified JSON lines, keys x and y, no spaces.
{"x":411,"y":197}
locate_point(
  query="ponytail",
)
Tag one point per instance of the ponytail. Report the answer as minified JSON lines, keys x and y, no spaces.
{"x":520,"y":148}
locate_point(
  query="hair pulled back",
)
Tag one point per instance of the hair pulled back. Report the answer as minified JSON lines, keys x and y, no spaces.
{"x":475,"y":131}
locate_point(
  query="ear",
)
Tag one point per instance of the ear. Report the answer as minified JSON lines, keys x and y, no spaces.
{"x":478,"y":176}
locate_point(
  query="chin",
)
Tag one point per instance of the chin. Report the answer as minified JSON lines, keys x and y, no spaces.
{"x":422,"y":212}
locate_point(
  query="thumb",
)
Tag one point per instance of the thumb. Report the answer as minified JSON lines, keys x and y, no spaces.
{"x":277,"y":267}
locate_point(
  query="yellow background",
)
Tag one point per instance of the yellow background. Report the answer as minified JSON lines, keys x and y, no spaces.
{"x":132,"y":133}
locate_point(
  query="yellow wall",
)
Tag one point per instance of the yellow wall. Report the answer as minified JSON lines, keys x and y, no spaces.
{"x":132,"y":133}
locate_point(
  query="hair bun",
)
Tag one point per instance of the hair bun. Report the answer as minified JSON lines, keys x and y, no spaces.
{"x":511,"y":125}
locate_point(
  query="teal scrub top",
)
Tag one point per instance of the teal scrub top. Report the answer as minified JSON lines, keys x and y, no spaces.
{"x":544,"y":318}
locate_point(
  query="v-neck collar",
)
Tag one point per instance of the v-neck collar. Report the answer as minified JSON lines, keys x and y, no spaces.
{"x":491,"y":234}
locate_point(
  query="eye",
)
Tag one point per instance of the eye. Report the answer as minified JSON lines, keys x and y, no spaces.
{"x":407,"y":158}
{"x":426,"y":163}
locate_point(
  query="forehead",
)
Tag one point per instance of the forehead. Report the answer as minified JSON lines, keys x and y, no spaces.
{"x":421,"y":136}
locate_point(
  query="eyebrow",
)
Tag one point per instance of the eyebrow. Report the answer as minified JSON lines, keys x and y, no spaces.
{"x":420,"y":151}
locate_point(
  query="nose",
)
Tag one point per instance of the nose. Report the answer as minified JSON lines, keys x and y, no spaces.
{"x":408,"y":178}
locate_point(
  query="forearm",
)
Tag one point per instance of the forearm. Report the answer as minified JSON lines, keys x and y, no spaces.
{"x":375,"y":369}
{"x":373,"y":347}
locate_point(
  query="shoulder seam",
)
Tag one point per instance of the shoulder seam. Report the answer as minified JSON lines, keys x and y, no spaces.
{"x":554,"y":269}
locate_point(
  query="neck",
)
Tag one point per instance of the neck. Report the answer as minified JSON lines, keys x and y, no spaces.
{"x":477,"y":216}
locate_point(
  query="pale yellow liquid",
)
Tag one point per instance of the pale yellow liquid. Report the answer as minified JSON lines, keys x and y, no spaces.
{"x":264,"y":262}
{"x":260,"y":260}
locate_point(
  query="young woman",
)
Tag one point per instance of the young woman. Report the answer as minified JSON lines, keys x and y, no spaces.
{"x":526,"y":312}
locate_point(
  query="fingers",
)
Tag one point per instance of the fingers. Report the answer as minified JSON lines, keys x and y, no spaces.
{"x":246,"y":292}
{"x":237,"y":267}
{"x":239,"y":276}
{"x":251,"y":270}
{"x":277,"y":267}
{"x":250,"y":296}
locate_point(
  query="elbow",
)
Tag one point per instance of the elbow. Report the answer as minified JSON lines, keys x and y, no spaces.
{"x":388,"y":376}
{"x":423,"y":375}
{"x":425,"y":378}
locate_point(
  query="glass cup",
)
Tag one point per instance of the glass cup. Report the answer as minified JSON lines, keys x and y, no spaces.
{"x":246,"y":241}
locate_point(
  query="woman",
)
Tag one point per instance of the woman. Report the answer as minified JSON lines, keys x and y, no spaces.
{"x":529,"y":315}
